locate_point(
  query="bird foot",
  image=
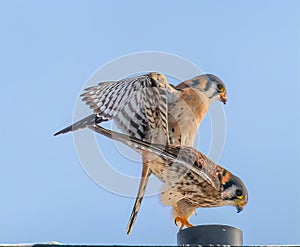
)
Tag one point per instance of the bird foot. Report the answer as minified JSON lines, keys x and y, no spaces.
{"x":181,"y":221}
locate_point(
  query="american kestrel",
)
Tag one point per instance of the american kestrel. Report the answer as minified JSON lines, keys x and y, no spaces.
{"x":186,"y":110}
{"x":149,"y":108}
{"x":190,"y":179}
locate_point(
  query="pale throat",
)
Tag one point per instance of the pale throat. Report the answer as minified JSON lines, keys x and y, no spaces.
{"x":198,"y":103}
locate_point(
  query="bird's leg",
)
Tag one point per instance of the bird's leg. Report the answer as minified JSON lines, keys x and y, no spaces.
{"x":181,"y":219}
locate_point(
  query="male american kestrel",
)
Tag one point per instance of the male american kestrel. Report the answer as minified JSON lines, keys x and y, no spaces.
{"x":149,"y":108}
{"x":190,"y":179}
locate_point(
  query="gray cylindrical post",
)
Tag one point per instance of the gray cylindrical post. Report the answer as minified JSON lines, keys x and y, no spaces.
{"x":210,"y":235}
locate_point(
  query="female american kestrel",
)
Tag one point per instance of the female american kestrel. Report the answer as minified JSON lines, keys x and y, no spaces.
{"x":190,"y":179}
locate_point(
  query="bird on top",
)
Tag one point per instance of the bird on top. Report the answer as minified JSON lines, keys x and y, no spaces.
{"x":148,"y":108}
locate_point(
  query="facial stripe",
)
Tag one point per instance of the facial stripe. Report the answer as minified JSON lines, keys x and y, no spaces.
{"x":195,"y":82}
{"x":213,"y":95}
{"x":207,"y":86}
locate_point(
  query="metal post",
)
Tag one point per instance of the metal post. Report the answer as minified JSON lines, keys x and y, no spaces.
{"x":210,"y":235}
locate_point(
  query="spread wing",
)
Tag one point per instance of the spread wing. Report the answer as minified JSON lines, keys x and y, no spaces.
{"x":137,"y":104}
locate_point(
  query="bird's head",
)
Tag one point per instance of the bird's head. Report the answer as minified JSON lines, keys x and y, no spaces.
{"x":234,"y":193}
{"x":210,"y":85}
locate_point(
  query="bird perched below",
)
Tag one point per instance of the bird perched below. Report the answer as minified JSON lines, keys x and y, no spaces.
{"x":190,"y":179}
{"x":149,"y":108}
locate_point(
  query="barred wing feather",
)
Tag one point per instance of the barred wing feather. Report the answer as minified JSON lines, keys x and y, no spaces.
{"x":135,"y":104}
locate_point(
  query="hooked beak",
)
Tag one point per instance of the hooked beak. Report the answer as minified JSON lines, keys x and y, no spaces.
{"x":239,"y":207}
{"x":223,"y":97}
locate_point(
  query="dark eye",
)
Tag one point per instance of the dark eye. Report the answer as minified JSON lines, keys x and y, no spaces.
{"x":239,"y":193}
{"x":220,"y":87}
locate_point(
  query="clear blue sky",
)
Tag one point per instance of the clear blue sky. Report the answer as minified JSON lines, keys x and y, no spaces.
{"x":50,"y":48}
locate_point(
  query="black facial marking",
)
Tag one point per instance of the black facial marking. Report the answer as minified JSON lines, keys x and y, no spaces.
{"x":207,"y":86}
{"x":195,"y":82}
{"x":227,"y":184}
{"x":213,"y":95}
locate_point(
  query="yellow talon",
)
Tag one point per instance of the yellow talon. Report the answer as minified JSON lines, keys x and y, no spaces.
{"x":182,"y":222}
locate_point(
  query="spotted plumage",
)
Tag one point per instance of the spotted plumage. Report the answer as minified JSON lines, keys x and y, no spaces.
{"x":150,"y":109}
{"x":190,"y":179}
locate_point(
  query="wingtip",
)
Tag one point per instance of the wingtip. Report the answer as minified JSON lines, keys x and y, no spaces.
{"x":130,"y":223}
{"x":57,"y":133}
{"x":128,"y":229}
{"x":63,"y":131}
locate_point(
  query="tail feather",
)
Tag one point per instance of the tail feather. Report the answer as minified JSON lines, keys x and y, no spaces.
{"x":83,"y":123}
